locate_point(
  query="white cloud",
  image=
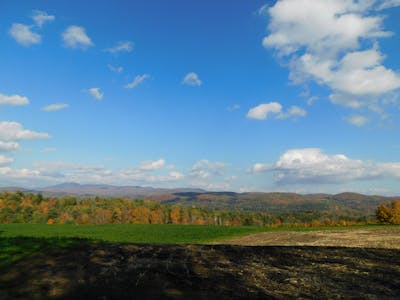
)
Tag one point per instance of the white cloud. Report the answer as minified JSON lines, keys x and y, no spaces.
{"x":357,"y":120}
{"x":312,"y":165}
{"x":23,"y":35}
{"x":8,"y":146}
{"x":55,"y":107}
{"x":116,"y":69}
{"x":274,"y":109}
{"x":96,"y":93}
{"x":5,"y":160}
{"x":41,"y":17}
{"x":76,"y":37}
{"x":137,"y":81}
{"x":192,"y":79}
{"x":152,"y":165}
{"x":14,"y":100}
{"x":293,"y":112}
{"x":123,"y":46}
{"x":322,"y":40}
{"x":145,"y":172}
{"x":388,"y":4}
{"x":260,"y":167}
{"x":205,"y":168}
{"x":263,"y":111}
{"x":13,"y":131}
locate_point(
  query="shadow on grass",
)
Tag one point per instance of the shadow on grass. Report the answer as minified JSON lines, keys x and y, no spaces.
{"x":51,"y":268}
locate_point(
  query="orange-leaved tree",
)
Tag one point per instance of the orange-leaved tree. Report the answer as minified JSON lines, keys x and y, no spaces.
{"x":388,"y":214}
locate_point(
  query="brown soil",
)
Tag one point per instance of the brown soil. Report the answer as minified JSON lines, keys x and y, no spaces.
{"x":132,"y":271}
{"x":371,"y":238}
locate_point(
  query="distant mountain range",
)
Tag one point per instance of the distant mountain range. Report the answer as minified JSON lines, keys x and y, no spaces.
{"x":274,"y":203}
{"x":101,"y":190}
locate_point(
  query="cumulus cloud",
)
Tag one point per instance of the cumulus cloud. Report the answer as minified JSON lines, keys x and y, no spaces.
{"x":14,"y":100}
{"x":274,"y":109}
{"x":55,"y":107}
{"x":96,"y":93}
{"x":41,"y":17}
{"x":325,"y":42}
{"x":192,"y":79}
{"x":13,"y":131}
{"x":76,"y":37}
{"x":123,"y":46}
{"x":139,"y":79}
{"x":23,"y":35}
{"x":263,"y":111}
{"x":312,"y":165}
{"x":357,"y":120}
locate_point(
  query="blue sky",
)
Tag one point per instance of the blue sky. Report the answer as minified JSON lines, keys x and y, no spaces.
{"x":289,"y":95}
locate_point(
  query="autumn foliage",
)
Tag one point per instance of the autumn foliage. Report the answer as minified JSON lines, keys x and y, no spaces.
{"x":21,"y":207}
{"x":389,"y":214}
{"x":34,"y":208}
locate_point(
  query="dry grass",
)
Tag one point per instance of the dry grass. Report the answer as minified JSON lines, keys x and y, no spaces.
{"x":365,"y":238}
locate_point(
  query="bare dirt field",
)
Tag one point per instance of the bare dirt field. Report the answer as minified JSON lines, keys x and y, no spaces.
{"x":341,"y":264}
{"x":371,"y":238}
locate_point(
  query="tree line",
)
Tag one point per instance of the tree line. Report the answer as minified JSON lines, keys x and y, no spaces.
{"x":18,"y":207}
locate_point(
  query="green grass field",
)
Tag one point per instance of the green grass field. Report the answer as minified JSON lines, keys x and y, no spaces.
{"x":129,"y":233}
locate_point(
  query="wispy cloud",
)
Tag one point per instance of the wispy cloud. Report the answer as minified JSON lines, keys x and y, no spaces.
{"x":139,"y":79}
{"x":123,"y":46}
{"x":55,"y":107}
{"x":388,"y":4}
{"x":115,"y":69}
{"x":204,"y":168}
{"x":233,"y":107}
{"x":357,"y":120}
{"x":41,"y":17}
